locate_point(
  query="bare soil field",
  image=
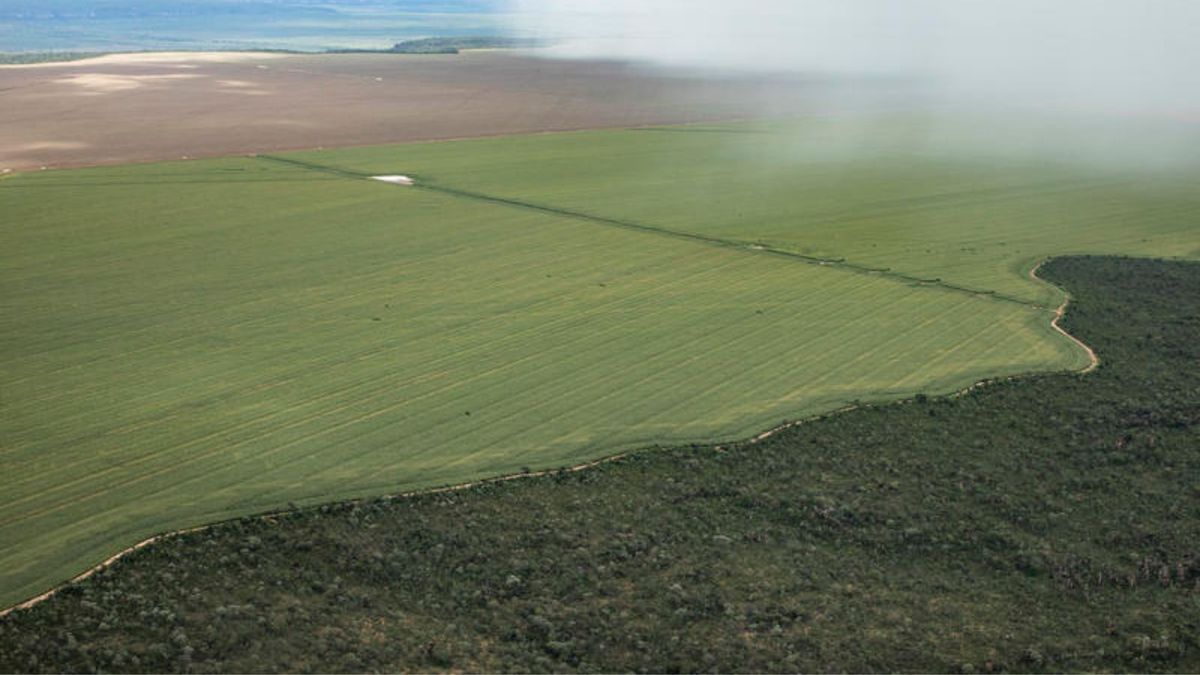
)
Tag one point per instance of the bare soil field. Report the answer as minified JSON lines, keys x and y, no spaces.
{"x":140,"y":107}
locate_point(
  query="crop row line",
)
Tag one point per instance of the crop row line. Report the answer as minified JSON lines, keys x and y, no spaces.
{"x":837,"y":263}
{"x":728,"y":243}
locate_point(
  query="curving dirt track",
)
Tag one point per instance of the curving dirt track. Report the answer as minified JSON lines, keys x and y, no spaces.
{"x":142,"y":107}
{"x":1059,"y":312}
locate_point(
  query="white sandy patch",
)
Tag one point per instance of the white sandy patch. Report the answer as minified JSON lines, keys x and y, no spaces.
{"x":104,"y":83}
{"x":157,"y":58}
{"x":395,"y":180}
{"x":51,"y":145}
{"x":242,"y":87}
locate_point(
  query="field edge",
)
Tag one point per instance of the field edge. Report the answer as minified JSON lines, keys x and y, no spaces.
{"x":1085,"y":361}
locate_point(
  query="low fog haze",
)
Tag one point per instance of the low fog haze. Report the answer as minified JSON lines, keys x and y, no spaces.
{"x":1096,"y":54}
{"x":1088,"y":80}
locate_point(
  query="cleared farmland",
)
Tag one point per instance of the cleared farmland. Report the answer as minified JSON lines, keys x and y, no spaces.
{"x":812,"y":187}
{"x":190,"y":341}
{"x":164,"y":106}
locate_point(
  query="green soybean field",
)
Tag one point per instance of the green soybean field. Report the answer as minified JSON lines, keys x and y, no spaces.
{"x":191,"y":341}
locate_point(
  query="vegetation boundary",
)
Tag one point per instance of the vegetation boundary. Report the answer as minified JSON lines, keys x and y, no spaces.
{"x":458,"y":487}
{"x":1059,"y":313}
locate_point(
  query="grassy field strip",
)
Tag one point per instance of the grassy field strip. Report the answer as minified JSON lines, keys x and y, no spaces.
{"x":478,"y":324}
{"x":756,"y":248}
{"x":736,"y":369}
{"x":189,"y":355}
{"x":370,"y":396}
{"x":946,"y":354}
{"x":362,"y":389}
{"x":644,"y":227}
{"x":78,"y":328}
{"x":367,"y":282}
{"x":531,"y":236}
{"x":1122,"y":228}
{"x":735,"y":373}
{"x":782,"y":376}
{"x":1005,"y":194}
{"x":974,"y":224}
{"x":663,"y":357}
{"x":834,"y":263}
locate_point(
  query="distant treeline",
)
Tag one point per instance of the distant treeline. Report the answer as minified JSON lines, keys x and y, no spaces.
{"x":1041,"y":524}
{"x":435,"y":45}
{"x":449,"y":45}
{"x":452,"y":45}
{"x":21,"y":58}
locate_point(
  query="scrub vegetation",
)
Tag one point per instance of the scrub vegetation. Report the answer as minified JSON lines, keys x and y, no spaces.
{"x":1044,"y":523}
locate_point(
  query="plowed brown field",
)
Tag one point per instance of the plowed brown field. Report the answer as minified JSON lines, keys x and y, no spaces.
{"x":142,"y":107}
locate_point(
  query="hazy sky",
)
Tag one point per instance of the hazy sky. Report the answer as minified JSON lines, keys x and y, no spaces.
{"x":1109,"y":55}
